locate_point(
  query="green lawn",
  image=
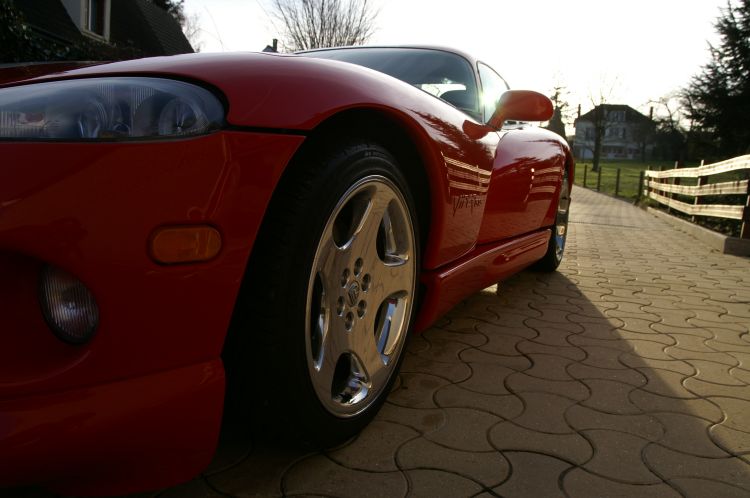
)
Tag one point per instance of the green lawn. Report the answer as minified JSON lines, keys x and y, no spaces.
{"x":629,"y":176}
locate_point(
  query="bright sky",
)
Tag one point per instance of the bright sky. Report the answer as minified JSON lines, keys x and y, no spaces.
{"x":634,"y":50}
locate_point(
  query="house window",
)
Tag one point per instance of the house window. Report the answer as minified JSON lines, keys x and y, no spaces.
{"x":95,"y":16}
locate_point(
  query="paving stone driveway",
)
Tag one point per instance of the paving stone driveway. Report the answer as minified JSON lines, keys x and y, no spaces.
{"x":627,"y":373}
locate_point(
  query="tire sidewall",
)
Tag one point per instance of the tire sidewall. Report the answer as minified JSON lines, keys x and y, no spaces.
{"x":338,"y":173}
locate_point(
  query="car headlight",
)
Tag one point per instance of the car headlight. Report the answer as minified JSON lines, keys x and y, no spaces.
{"x":112,"y":108}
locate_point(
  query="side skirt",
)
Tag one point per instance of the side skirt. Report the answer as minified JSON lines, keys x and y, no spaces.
{"x":483,"y":266}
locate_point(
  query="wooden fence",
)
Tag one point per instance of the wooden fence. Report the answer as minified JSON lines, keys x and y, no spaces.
{"x":661,"y":186}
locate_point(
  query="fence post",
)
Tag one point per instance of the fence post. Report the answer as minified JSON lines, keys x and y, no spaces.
{"x":672,"y":182}
{"x":702,"y":180}
{"x":599,"y":179}
{"x":745,"y":230}
{"x":585,"y":171}
{"x":641,"y":182}
{"x":617,"y":184}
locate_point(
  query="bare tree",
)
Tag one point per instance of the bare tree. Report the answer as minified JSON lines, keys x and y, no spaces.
{"x":192,"y":30}
{"x":307,"y":24}
{"x":673,"y":127}
{"x":561,"y":108}
{"x":600,"y":119}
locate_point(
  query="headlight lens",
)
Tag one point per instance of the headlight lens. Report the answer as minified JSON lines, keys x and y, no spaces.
{"x":108,"y":109}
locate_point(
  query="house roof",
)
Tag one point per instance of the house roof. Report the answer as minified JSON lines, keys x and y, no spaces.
{"x":145,"y":26}
{"x":631,"y":115}
{"x":49,"y":19}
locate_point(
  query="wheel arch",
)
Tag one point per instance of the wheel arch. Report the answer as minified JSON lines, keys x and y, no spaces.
{"x":401,"y":136}
{"x":363,"y":126}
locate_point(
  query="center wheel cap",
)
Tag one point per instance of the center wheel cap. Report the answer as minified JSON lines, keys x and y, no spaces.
{"x":353,"y":293}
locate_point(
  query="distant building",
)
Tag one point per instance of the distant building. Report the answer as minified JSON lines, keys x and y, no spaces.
{"x":628,"y":134}
{"x":274,"y":47}
{"x":138,"y":25}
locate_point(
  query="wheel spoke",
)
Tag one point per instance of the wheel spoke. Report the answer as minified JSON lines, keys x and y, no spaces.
{"x":389,"y":279}
{"x":335,"y":344}
{"x":366,"y":236}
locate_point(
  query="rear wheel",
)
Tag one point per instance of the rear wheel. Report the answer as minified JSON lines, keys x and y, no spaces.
{"x":556,"y":247}
{"x":329,"y":296}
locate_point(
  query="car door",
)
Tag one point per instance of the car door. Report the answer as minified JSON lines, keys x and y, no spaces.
{"x":525,"y":172}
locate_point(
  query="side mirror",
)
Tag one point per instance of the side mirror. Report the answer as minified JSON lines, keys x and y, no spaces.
{"x":521,"y":105}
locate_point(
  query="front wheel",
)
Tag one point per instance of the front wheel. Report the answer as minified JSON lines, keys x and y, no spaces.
{"x":329,"y":296}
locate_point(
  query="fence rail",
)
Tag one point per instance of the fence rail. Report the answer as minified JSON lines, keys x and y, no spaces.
{"x":661,"y":186}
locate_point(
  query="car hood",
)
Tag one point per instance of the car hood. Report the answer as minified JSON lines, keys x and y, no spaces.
{"x":267,"y":90}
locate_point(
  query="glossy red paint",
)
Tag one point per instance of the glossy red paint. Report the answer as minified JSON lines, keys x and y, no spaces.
{"x":264,"y":93}
{"x":91,"y":208}
{"x":88,"y":441}
{"x":523,"y":187}
{"x":78,"y":200}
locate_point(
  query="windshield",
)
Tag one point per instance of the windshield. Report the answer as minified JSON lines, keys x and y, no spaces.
{"x":442,"y":74}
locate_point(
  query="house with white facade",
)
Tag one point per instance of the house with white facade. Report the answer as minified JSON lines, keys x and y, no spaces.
{"x":628,"y":134}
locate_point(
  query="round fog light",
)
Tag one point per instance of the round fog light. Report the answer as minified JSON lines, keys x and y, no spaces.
{"x":68,"y":306}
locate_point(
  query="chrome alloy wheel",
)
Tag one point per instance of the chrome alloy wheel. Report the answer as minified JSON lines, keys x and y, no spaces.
{"x":359,"y":296}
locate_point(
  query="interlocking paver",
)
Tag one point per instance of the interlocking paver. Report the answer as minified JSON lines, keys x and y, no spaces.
{"x":422,"y":363}
{"x":671,"y":464}
{"x":651,"y":403}
{"x":416,"y":390}
{"x":635,"y":361}
{"x":582,"y":484}
{"x":688,"y":434}
{"x":520,"y":382}
{"x":610,"y":396}
{"x":481,"y":372}
{"x":718,"y":373}
{"x":518,"y":363}
{"x":651,"y":350}
{"x":644,"y":426}
{"x":465,"y":429}
{"x":740,"y":374}
{"x":318,"y":475}
{"x":374,"y":449}
{"x":422,"y":420}
{"x":625,"y":373}
{"x":544,"y":412}
{"x":509,"y":406}
{"x":732,"y":441}
{"x":703,"y":388}
{"x":534,"y":474}
{"x":507,"y":436}
{"x":719,"y":357}
{"x":533,"y":349}
{"x":618,"y":457}
{"x":622,"y":375}
{"x":486,"y":467}
{"x":429,"y":482}
{"x":699,"y":488}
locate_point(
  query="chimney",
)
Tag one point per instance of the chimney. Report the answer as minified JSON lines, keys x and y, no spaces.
{"x":651,"y":113}
{"x":275,"y":45}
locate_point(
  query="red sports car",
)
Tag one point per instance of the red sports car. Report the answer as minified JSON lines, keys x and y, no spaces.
{"x":269,"y":226}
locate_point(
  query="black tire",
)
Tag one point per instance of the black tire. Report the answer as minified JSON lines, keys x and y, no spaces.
{"x":556,"y":247}
{"x":302,"y":322}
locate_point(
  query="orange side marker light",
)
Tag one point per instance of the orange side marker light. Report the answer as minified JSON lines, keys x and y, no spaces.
{"x":185,"y":244}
